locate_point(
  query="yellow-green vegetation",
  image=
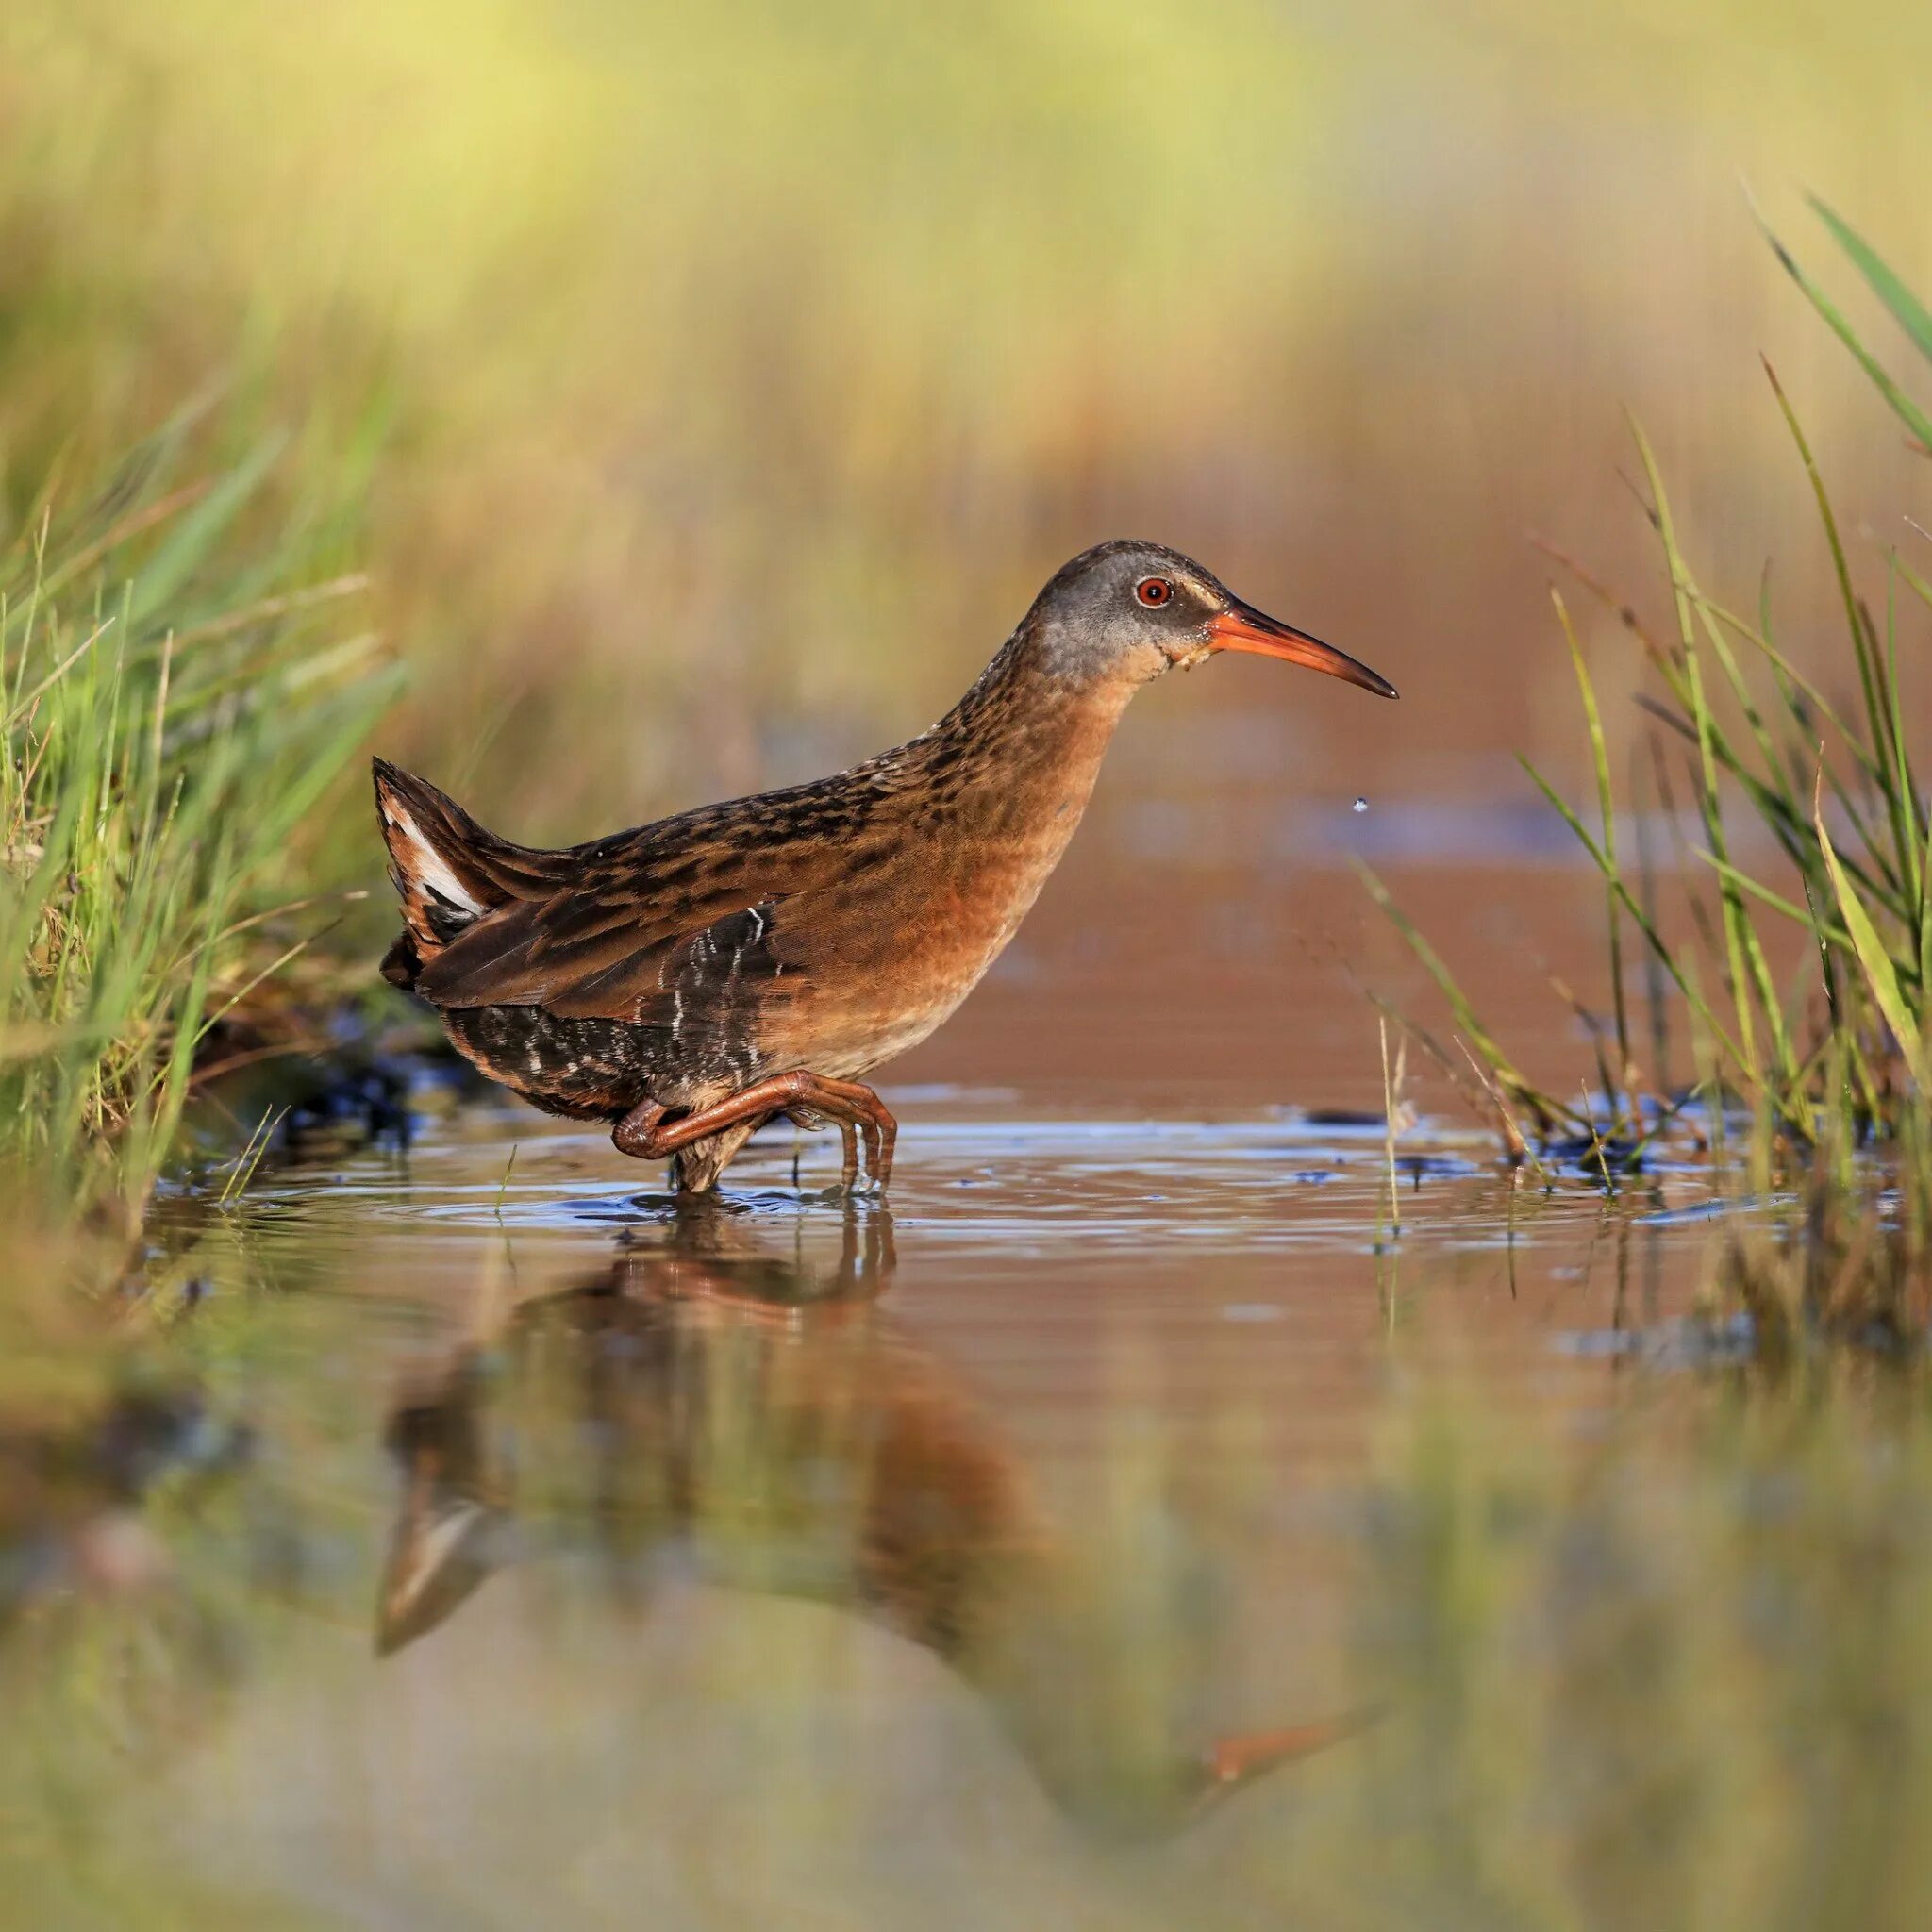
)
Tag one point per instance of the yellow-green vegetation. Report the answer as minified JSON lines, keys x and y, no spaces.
{"x":1838,"y":1048}
{"x":1802,"y":837}
{"x":179,"y":685}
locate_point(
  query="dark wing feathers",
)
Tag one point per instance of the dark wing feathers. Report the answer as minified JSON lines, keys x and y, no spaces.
{"x":586,"y":955}
{"x":673,"y":924}
{"x":677,"y":924}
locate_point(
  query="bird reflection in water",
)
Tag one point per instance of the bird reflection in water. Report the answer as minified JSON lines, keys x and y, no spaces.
{"x":711,"y":1408}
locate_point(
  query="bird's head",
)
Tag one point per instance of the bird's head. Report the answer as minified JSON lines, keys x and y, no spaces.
{"x":1129,"y":611}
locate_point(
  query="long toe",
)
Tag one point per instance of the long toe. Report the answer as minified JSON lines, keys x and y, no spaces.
{"x":877,"y":1166}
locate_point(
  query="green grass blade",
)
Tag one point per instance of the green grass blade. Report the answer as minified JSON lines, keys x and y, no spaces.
{"x":1758,"y":890}
{"x":1903,"y":407}
{"x":1746,"y":1066}
{"x":1880,"y":972}
{"x":1499,"y":1062}
{"x":1900,"y":812}
{"x":1906,"y":310}
{"x":1749,"y":975}
{"x":1606,"y":808}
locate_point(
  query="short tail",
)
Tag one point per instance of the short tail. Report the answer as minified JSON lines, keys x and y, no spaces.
{"x":447,"y":869}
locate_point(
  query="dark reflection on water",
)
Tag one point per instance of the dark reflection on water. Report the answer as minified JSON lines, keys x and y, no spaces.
{"x":705,"y":1406}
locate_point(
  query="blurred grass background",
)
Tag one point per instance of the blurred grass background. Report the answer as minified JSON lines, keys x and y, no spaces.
{"x":734,"y":374}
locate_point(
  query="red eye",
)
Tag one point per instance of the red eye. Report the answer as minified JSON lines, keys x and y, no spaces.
{"x":1153,"y":592}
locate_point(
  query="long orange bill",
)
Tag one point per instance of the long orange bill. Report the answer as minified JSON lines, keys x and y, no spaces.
{"x":1241,"y":628}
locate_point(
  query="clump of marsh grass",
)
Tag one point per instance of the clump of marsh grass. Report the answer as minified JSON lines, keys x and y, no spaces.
{"x":168,"y":716}
{"x":1744,"y":733}
{"x":1797,"y":941}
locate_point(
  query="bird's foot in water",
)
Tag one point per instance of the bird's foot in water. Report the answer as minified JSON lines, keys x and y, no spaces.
{"x":651,"y":1133}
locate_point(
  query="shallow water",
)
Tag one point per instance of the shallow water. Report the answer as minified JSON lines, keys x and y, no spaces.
{"x":504,"y":1542}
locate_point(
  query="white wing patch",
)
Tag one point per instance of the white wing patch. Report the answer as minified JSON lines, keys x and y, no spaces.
{"x":427,"y":865}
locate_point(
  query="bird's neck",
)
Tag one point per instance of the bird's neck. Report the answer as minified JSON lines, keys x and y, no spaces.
{"x":1017,"y":757}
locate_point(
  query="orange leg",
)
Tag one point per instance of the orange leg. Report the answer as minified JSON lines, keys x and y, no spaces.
{"x":848,"y":1166}
{"x":647,"y":1132}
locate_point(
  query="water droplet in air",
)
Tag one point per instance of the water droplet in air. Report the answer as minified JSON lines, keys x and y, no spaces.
{"x":1361,"y":805}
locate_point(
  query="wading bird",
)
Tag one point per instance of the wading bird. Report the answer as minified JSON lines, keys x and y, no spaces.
{"x":689,"y":980}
